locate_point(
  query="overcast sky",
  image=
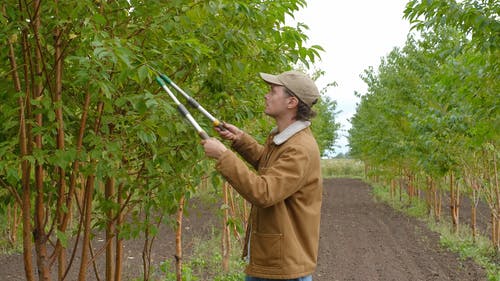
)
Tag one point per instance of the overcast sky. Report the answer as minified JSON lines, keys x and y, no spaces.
{"x":355,"y":34}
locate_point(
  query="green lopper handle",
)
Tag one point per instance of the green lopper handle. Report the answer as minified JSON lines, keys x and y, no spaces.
{"x":160,"y":81}
{"x":165,"y":77}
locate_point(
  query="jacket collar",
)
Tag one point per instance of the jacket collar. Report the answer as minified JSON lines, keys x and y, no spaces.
{"x":291,"y":130}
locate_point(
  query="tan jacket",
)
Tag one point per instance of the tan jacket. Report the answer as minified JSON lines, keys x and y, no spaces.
{"x":283,"y":231}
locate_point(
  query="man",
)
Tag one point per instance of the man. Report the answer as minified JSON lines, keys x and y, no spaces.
{"x":283,"y":230}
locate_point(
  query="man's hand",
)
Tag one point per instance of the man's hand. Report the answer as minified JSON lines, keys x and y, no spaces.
{"x":231,"y":133}
{"x":213,"y":147}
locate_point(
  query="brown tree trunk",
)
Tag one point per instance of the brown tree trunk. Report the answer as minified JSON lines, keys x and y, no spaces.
{"x":178,"y":240}
{"x":437,"y":201}
{"x":497,"y":244}
{"x":433,"y":197}
{"x":76,"y":165}
{"x":119,"y":241}
{"x":26,"y":205}
{"x":86,"y":217}
{"x":496,"y":186}
{"x":401,"y":183}
{"x":71,"y":194}
{"x":234,"y":214}
{"x":473,"y":224}
{"x":12,"y":222}
{"x":439,"y":205}
{"x":393,"y":189}
{"x":495,"y":230}
{"x":26,"y":213}
{"x":60,"y":249}
{"x":25,"y":148}
{"x":454,"y":204}
{"x":40,"y":235}
{"x":411,"y":187}
{"x":475,"y":201}
{"x":22,"y":143}
{"x":428,"y":196}
{"x":146,"y":251}
{"x":452,"y":201}
{"x":225,"y":247}
{"x":87,"y":206}
{"x":457,"y":206}
{"x":109,"y":191}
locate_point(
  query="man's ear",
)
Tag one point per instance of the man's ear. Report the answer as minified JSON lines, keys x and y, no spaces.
{"x":293,"y":102}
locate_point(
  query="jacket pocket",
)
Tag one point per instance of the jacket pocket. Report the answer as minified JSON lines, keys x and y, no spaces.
{"x":266,"y":249}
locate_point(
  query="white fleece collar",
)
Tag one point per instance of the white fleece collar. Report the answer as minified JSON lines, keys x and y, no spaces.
{"x":291,"y":130}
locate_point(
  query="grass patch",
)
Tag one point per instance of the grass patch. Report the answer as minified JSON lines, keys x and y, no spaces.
{"x":6,"y":246}
{"x":342,"y":168}
{"x":206,"y":262}
{"x":463,"y":243}
{"x":417,"y":209}
{"x":481,"y":250}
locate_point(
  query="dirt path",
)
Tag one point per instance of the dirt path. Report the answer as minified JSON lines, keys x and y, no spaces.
{"x":364,"y":240}
{"x":361,"y":240}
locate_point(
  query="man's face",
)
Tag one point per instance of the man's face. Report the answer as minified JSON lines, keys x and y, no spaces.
{"x":277,"y":101}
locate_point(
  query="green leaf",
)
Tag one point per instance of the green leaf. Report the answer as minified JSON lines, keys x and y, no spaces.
{"x":146,"y":137}
{"x":143,"y":73}
{"x":163,"y":132}
{"x":63,"y":237}
{"x":99,"y":19}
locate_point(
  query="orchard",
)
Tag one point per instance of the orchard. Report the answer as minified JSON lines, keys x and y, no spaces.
{"x":89,"y":141}
{"x":429,"y":124}
{"x":91,"y":144}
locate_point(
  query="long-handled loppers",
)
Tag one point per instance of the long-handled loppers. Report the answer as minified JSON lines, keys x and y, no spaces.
{"x":162,"y":79}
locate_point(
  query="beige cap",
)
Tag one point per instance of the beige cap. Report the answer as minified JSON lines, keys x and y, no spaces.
{"x":300,"y":84}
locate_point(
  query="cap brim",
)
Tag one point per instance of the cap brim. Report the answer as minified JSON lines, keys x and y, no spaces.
{"x":271,"y":79}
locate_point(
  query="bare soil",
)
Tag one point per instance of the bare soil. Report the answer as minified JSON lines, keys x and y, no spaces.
{"x":361,"y":240}
{"x":365,"y":240}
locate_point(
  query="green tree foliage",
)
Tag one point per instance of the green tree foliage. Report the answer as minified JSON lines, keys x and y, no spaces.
{"x":80,"y":77}
{"x":324,"y":125}
{"x":432,"y":107}
{"x":477,"y":19}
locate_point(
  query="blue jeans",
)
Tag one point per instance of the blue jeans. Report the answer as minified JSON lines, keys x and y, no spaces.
{"x":305,"y":278}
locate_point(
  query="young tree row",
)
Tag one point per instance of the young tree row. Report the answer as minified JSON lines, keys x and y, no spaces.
{"x":432,"y":111}
{"x":88,"y":142}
